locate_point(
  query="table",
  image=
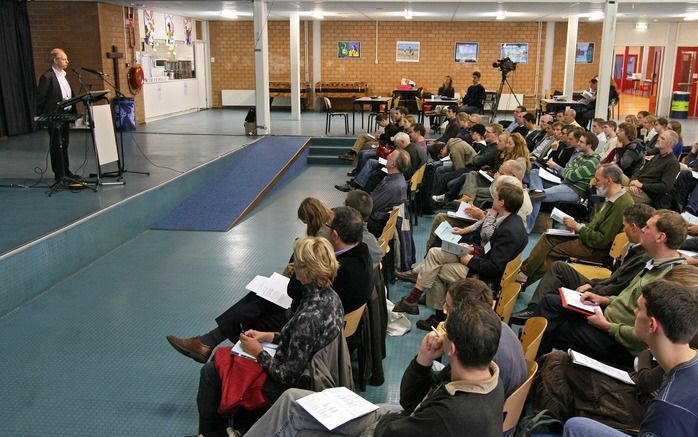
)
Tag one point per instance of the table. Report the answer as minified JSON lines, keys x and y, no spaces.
{"x":361,"y":101}
{"x":435,"y":101}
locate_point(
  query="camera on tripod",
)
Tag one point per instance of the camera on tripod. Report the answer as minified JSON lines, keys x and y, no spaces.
{"x":505,"y":65}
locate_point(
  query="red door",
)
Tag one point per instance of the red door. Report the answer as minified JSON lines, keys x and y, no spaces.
{"x":686,"y":76}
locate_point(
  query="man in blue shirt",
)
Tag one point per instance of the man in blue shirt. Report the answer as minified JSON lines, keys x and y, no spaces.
{"x":667,"y":320}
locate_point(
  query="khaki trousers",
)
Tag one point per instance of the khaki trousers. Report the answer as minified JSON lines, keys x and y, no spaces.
{"x":439,"y":267}
{"x":553,"y":248}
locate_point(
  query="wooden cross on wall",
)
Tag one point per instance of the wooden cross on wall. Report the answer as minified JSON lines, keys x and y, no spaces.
{"x":115,"y":55}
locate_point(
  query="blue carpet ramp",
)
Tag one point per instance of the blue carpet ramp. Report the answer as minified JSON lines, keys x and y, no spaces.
{"x":225,"y":200}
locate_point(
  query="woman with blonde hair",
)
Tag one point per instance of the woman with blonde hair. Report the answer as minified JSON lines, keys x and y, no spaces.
{"x":317,"y":319}
{"x":514,"y":147}
{"x":315,"y":215}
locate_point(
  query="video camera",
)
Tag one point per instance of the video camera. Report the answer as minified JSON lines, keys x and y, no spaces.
{"x":505,"y":65}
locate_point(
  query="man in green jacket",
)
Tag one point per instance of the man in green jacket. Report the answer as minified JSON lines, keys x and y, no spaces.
{"x":594,"y":239}
{"x":607,"y":335}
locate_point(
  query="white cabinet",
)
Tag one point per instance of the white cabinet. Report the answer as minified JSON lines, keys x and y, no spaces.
{"x":165,"y":99}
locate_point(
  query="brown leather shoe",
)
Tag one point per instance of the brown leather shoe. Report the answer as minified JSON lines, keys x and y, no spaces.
{"x":409,"y":276}
{"x":191,"y":347}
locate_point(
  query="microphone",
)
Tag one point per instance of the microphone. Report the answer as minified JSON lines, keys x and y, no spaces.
{"x":92,"y":70}
{"x":77,"y":73}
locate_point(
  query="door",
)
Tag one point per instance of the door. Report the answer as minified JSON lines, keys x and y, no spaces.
{"x":655,"y":68}
{"x":200,"y":65}
{"x":686,"y":76}
{"x":619,"y":71}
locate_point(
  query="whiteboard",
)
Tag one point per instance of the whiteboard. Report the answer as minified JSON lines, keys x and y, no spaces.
{"x":105,"y":140}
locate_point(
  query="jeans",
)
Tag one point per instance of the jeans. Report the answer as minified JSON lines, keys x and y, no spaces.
{"x":367,"y":171}
{"x":583,"y":427}
{"x":553,"y":193}
{"x":364,"y":156}
{"x":286,"y":418}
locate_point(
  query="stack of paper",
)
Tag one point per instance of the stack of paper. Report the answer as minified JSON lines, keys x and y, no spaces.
{"x":545,"y":174}
{"x":559,"y":216}
{"x":336,"y":406}
{"x":238,"y":350}
{"x":583,"y":360}
{"x":461,"y":213}
{"x":449,"y":240}
{"x":486,"y":175}
{"x":272,"y":289}
{"x":561,"y":232}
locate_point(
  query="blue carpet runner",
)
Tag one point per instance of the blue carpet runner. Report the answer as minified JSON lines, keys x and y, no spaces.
{"x":228,"y":197}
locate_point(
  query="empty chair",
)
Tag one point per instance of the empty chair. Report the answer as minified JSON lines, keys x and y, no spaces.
{"x":331,"y":114}
{"x":595,"y":271}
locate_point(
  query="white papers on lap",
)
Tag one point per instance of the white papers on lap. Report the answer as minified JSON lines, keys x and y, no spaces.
{"x":689,"y":218}
{"x":238,"y":350}
{"x":486,"y":175}
{"x":559,"y":216}
{"x":572,"y":299}
{"x":333,"y":407}
{"x":695,"y":174}
{"x":560,"y":232}
{"x":545,"y":174}
{"x":688,"y":253}
{"x":461,"y":214}
{"x":583,"y":360}
{"x":449,"y":240}
{"x":382,"y":161}
{"x":272,"y":289}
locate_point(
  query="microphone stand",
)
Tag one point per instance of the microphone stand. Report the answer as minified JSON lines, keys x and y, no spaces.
{"x":122,"y":164}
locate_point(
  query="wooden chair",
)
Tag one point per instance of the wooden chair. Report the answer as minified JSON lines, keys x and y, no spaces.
{"x":415,"y":185}
{"x":373,"y":114}
{"x":513,"y":405}
{"x":507,"y":299}
{"x":351,"y":321}
{"x":531,"y":335}
{"x":389,"y":228}
{"x":331,"y":114}
{"x":596,"y":271}
{"x":510,"y":271}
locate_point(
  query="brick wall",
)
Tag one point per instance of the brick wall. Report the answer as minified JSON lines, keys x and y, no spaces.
{"x":86,"y":31}
{"x":586,"y":32}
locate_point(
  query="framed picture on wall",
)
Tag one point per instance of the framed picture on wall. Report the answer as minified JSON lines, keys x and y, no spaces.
{"x":407,"y":51}
{"x":349,"y":49}
{"x":585,"y":53}
{"x":517,"y":52}
{"x":466,"y":52}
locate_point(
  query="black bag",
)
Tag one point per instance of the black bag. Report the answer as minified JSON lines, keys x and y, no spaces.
{"x":533,"y":422}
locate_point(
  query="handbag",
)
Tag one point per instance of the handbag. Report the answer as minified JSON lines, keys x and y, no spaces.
{"x":242,"y":382}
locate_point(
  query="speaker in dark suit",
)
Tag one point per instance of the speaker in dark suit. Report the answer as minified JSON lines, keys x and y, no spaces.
{"x":53,"y":88}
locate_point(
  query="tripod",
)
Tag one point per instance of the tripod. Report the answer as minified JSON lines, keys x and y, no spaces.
{"x":498,"y":96}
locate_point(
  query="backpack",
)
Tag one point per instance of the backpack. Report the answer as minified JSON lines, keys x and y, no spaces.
{"x":533,"y":422}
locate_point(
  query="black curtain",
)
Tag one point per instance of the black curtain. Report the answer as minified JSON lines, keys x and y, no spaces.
{"x":17,"y":80}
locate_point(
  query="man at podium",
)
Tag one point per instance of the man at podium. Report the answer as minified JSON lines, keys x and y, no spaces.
{"x":53,"y":88}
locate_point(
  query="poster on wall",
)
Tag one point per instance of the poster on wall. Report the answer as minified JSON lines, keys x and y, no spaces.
{"x":169,"y":30}
{"x":187,"y":30}
{"x":349,"y":49}
{"x":149,"y":27}
{"x":466,"y":52}
{"x":516,"y":52}
{"x":585,"y":53}
{"x":407,"y":51}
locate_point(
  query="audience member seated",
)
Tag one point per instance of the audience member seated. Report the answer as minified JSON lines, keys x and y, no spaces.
{"x":417,"y":133}
{"x":474,"y":98}
{"x":685,"y":193}
{"x":575,"y":176}
{"x":465,"y":395}
{"x":517,"y":124}
{"x":667,"y":317}
{"x":466,"y":123}
{"x":362,"y":202}
{"x":509,"y":172}
{"x":366,"y":140}
{"x":567,"y":390}
{"x":487,"y":261}
{"x":607,"y":334}
{"x":595,"y":239}
{"x":560,"y":151}
{"x":316,"y":216}
{"x":452,"y":127}
{"x":597,"y":129}
{"x":390,"y":192}
{"x":561,"y":274}
{"x":609,"y":131}
{"x":545,"y":140}
{"x":445,"y":90}
{"x":533,"y":133}
{"x":588,"y":100}
{"x":316,"y":321}
{"x":630,"y":153}
{"x":569,"y":117}
{"x":657,"y":126}
{"x":396,"y":115}
{"x":654,"y":181}
{"x":679,"y":147}
{"x":352,"y":283}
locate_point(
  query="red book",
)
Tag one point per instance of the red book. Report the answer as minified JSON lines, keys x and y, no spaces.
{"x":572,"y":300}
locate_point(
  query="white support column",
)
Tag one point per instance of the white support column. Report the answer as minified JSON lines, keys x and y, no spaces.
{"x":608,"y":37}
{"x":261,"y":67}
{"x":666,"y":79}
{"x":548,"y":57}
{"x":572,"y":25}
{"x":295,"y":40}
{"x":317,"y":58}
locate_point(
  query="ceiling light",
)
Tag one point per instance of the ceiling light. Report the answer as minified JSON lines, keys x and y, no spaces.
{"x":596,"y":16}
{"x":228,"y":14}
{"x":501,"y":15}
{"x":318,"y":15}
{"x":408,"y":14}
{"x":641,"y":26}
{"x":691,"y":17}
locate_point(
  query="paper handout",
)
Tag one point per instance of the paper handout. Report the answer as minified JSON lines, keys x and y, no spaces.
{"x":559,"y":216}
{"x":238,"y":350}
{"x":572,"y":300}
{"x":583,"y":360}
{"x":461,"y":214}
{"x":449,"y":240}
{"x":272,"y":289}
{"x":545,"y":174}
{"x":335,"y":406}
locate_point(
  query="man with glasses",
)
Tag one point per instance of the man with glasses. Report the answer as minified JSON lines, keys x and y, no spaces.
{"x":54,"y":88}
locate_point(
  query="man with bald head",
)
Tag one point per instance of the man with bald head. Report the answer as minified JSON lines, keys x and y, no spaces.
{"x":53,"y":88}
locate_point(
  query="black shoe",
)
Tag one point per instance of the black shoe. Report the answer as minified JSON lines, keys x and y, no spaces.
{"x":352,"y":173}
{"x":427,"y":324}
{"x":521,"y":317}
{"x":345,"y":188}
{"x":422,"y":299}
{"x":376,"y":380}
{"x":536,"y":194}
{"x":347,"y":156}
{"x":405,"y":307}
